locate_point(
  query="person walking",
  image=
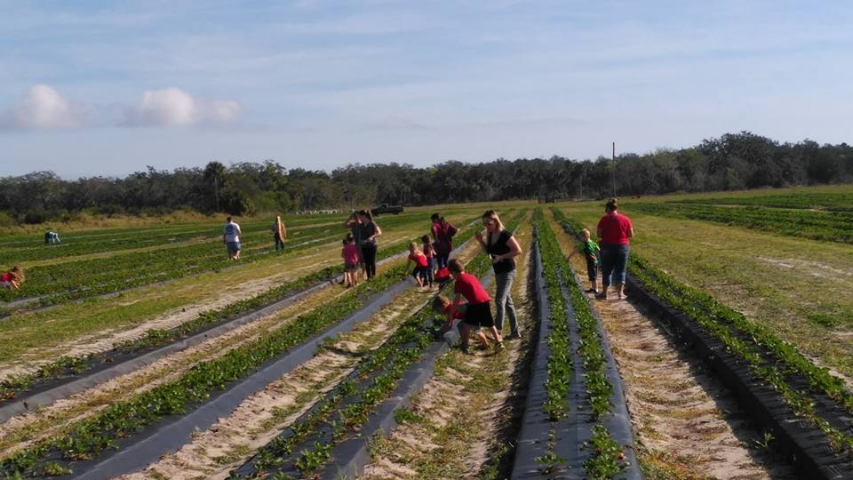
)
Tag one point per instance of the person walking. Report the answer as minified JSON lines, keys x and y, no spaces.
{"x":502,"y":247}
{"x":369,"y":231}
{"x":231,"y":238}
{"x":591,"y":252}
{"x":614,"y":231}
{"x":279,"y":233}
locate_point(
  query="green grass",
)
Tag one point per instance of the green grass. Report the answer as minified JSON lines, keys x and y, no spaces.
{"x":799,"y":288}
{"x":34,"y":336}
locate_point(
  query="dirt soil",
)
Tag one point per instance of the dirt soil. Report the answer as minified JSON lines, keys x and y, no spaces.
{"x":232,"y":440}
{"x":463,"y":428}
{"x":686,"y":423}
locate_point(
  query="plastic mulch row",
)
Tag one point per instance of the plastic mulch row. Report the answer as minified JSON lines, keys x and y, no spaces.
{"x":801,"y":442}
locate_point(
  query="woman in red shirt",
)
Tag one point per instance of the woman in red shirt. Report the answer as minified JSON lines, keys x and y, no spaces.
{"x":614,"y":231}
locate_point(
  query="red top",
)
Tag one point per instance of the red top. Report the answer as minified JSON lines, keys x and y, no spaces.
{"x":420,"y":259}
{"x":459,"y":312}
{"x":350,"y":253}
{"x":5,"y":277}
{"x":614,"y":229}
{"x":469,"y":287}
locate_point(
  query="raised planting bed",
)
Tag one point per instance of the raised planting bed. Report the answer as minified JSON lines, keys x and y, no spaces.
{"x":576,"y":423}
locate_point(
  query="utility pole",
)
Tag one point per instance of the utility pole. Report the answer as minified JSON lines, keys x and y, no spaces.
{"x":614,"y":169}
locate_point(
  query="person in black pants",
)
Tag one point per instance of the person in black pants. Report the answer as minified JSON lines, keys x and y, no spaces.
{"x":369,"y":230}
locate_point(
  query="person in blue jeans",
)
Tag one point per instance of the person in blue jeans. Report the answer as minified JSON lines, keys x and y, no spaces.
{"x":502,"y":247}
{"x":615,"y":231}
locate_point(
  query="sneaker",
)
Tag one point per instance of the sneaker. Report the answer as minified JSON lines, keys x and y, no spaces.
{"x":481,"y":348}
{"x":591,"y":290}
{"x":465,"y":350}
{"x":601,"y":296}
{"x":499,"y":347}
{"x":514,"y":335}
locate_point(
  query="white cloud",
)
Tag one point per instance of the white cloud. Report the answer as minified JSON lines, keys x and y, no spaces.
{"x":175,"y":107}
{"x":42,"y":107}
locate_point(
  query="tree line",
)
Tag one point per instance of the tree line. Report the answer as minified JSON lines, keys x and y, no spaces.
{"x":730,"y":162}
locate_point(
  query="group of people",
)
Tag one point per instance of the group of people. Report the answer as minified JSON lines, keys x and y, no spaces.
{"x":470,"y":310}
{"x":615,"y":232}
{"x":431,"y":257}
{"x":360,"y":247}
{"x":231,"y":236}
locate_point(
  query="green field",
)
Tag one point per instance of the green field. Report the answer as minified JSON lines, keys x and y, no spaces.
{"x":798,"y":286}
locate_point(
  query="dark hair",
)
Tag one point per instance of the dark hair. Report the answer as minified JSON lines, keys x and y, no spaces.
{"x":612,"y":205}
{"x":435,"y":217}
{"x":455,"y":265}
{"x":228,"y":219}
{"x":348,"y":239}
{"x":366,"y":213}
{"x":425,"y":239}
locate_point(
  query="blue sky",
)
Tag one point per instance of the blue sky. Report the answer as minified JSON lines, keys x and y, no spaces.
{"x":103,"y":88}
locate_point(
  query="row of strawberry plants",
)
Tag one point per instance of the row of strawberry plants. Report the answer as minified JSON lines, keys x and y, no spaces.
{"x":307,"y":445}
{"x":824,"y":226}
{"x":599,"y":388}
{"x":774,"y":362}
{"x":88,"y":438}
{"x":73,"y":366}
{"x":93,"y":276}
{"x":28,"y":248}
{"x":799,"y":200}
{"x":68,"y":367}
{"x":606,"y":457}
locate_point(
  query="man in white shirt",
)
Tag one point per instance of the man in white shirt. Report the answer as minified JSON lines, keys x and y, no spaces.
{"x":231,"y":238}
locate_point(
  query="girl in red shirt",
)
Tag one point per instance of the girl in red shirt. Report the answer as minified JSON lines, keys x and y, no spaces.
{"x":350,"y":256}
{"x":421,"y":264}
{"x":13,"y":278}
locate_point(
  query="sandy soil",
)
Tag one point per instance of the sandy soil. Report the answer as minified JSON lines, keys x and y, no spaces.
{"x":682,"y":417}
{"x":106,"y":340}
{"x":445,"y":400}
{"x":49,"y":420}
{"x":232,"y":440}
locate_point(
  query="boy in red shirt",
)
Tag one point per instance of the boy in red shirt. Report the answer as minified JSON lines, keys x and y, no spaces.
{"x":479,"y":312}
{"x":456,"y":316}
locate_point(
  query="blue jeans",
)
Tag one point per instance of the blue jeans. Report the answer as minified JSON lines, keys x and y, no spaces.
{"x":614,"y":260}
{"x":429,"y":271}
{"x":503,"y":301}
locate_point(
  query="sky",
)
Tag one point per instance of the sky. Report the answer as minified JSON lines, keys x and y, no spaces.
{"x":106,"y":88}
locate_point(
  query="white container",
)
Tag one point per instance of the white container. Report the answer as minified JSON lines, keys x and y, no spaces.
{"x":451,"y":337}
